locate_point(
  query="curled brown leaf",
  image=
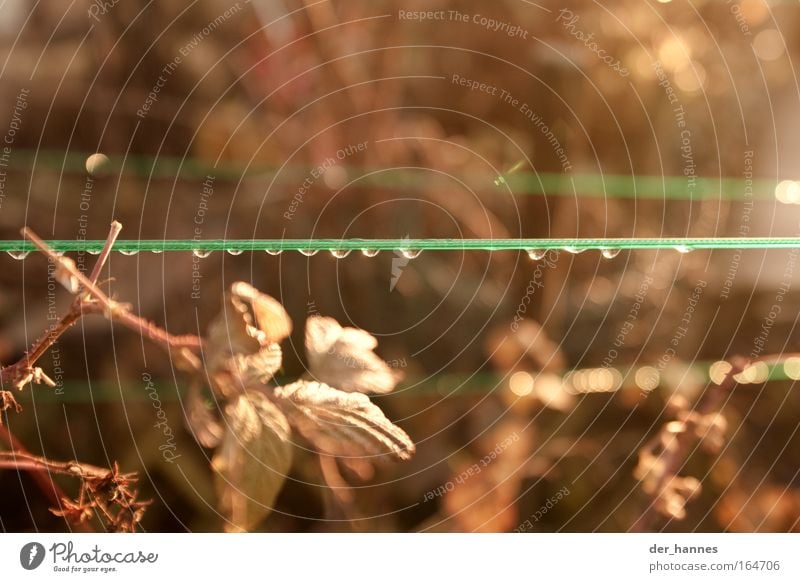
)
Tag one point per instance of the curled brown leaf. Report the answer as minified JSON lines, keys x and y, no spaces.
{"x":344,"y":357}
{"x":253,"y":460}
{"x":340,"y":423}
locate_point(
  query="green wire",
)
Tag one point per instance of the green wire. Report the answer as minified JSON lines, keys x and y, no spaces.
{"x":518,"y":182}
{"x":427,"y":244}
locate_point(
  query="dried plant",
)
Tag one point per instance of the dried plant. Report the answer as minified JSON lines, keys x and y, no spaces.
{"x":104,"y":492}
{"x":254,"y":449}
{"x":253,"y":435}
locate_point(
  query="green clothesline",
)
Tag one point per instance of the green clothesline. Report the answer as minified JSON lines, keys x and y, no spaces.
{"x":518,"y":182}
{"x":368,"y":246}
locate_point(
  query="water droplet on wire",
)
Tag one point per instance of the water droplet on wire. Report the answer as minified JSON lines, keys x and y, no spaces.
{"x":536,"y":254}
{"x":609,"y":253}
{"x":340,"y":253}
{"x":235,"y":252}
{"x":201,"y":254}
{"x":274,"y":252}
{"x":129,"y":253}
{"x":410,"y":253}
{"x":18,"y":255}
{"x":574,"y":250}
{"x":308,"y":252}
{"x":683,"y":249}
{"x":369,"y":252}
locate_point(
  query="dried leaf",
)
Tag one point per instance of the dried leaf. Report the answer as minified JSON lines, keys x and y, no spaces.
{"x":250,"y":320}
{"x":343,"y":357}
{"x":200,"y":421}
{"x":253,"y":460}
{"x":341,"y":423}
{"x":242,"y":340}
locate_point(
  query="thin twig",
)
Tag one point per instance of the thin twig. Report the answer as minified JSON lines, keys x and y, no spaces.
{"x":23,"y":371}
{"x":29,"y":462}
{"x":112,"y":308}
{"x":116,"y":227}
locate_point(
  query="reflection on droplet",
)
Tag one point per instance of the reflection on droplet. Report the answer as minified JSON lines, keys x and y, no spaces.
{"x":274,"y":252}
{"x":769,"y":44}
{"x":788,"y":192}
{"x":758,"y":373}
{"x":718,"y":371}
{"x":369,"y":252}
{"x":574,"y":250}
{"x":791,"y":368}
{"x":536,"y":254}
{"x":200,"y":254}
{"x":156,"y":251}
{"x":18,"y":255}
{"x":647,"y":378}
{"x":94,"y":251}
{"x":609,"y":253}
{"x":683,"y":249}
{"x":308,"y":252}
{"x":521,"y":383}
{"x":235,"y":252}
{"x":129,"y":253}
{"x":340,"y":253}
{"x":410,"y":253}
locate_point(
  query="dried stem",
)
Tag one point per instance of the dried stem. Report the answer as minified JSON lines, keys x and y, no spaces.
{"x":89,"y":299}
{"x":106,"y":491}
{"x":43,"y":480}
{"x":23,"y":461}
{"x":116,"y":227}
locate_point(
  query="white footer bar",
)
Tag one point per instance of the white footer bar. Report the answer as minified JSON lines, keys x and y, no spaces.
{"x":401,"y":557}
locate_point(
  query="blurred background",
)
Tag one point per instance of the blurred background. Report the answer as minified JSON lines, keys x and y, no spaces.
{"x":291,"y":119}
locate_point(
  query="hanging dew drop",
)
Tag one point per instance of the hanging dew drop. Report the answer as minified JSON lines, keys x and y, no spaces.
{"x":308,"y":252}
{"x":129,"y":253}
{"x":683,"y":249}
{"x":18,"y":255}
{"x":201,"y":254}
{"x":574,"y":250}
{"x":340,"y":253}
{"x":536,"y":254}
{"x":235,"y":252}
{"x":274,"y":252}
{"x":370,"y":252}
{"x":156,"y":251}
{"x":609,"y":253}
{"x":410,"y":253}
{"x":93,"y":251}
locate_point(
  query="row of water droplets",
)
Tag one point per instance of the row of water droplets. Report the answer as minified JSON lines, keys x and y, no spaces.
{"x":534,"y":254}
{"x":607,"y":252}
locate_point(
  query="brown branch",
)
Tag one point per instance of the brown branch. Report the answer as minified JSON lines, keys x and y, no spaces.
{"x":116,"y":227}
{"x":49,"y":487}
{"x":104,"y":490}
{"x":24,"y":461}
{"x":88,"y":300}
